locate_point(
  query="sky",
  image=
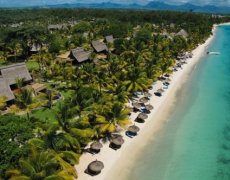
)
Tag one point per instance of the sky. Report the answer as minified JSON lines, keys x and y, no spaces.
{"x":19,"y":3}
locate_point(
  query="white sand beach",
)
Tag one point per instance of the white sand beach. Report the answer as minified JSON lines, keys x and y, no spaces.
{"x":118,"y":162}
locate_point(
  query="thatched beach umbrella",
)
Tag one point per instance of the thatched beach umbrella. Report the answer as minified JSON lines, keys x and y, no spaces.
{"x":136,"y":105}
{"x":142,"y":116}
{"x":117,"y":142}
{"x":95,"y":167}
{"x":143,"y":100}
{"x":147,"y":94}
{"x":96,"y":146}
{"x":160,"y":90}
{"x":149,"y":107}
{"x":133,"y":129}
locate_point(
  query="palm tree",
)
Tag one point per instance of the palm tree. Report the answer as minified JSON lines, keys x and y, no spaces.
{"x":24,"y":98}
{"x":81,"y":100}
{"x":136,"y":80}
{"x":19,"y":83}
{"x":15,"y":47}
{"x":101,"y":80}
{"x":120,"y":93}
{"x":63,"y":115}
{"x":43,"y":165}
{"x":116,"y":117}
{"x":60,"y":140}
{"x":88,"y":72}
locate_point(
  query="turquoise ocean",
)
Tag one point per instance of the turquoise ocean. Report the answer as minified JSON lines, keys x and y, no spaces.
{"x":195,"y":143}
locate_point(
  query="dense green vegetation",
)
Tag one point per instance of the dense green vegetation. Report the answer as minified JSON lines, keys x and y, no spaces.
{"x":51,"y":139}
{"x":14,"y":134}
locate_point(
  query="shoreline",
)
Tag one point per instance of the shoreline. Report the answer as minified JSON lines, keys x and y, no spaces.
{"x":119,"y":163}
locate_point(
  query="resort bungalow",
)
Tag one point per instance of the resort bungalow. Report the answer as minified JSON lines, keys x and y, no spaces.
{"x":182,"y":33}
{"x":5,"y":90}
{"x":79,"y":55}
{"x":109,"y":39}
{"x":99,"y":46}
{"x":12,"y":72}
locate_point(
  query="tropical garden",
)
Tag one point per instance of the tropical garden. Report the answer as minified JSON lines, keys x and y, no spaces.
{"x":47,"y":142}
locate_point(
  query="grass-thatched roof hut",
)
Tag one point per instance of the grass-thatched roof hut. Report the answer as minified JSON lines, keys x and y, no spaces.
{"x":99,"y":46}
{"x":12,"y":72}
{"x":182,"y":33}
{"x":5,"y":90}
{"x":80,"y":55}
{"x":109,"y":39}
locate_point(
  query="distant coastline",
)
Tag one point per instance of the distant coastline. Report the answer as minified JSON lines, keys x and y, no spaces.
{"x":154,"y":5}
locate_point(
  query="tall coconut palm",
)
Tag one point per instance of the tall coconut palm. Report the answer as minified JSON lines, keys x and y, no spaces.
{"x":116,"y":117}
{"x":42,"y":166}
{"x":63,"y":115}
{"x":136,"y":80}
{"x":24,"y":98}
{"x":15,"y":47}
{"x":120,"y":93}
{"x":60,"y":140}
{"x":88,"y":72}
{"x":101,"y":80}
{"x":20,"y":83}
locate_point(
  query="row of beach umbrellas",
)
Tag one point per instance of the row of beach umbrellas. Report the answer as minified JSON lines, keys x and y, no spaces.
{"x":96,"y":166}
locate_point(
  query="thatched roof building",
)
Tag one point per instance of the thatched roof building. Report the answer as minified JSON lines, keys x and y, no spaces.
{"x":12,"y":72}
{"x":109,"y":39}
{"x":80,"y":55}
{"x":5,"y":90}
{"x":99,"y":46}
{"x":182,"y":33}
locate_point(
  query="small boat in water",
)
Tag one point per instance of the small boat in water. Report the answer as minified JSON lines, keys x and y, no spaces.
{"x":213,"y":53}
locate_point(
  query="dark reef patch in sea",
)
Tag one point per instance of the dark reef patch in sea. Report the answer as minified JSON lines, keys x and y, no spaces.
{"x":223,"y":159}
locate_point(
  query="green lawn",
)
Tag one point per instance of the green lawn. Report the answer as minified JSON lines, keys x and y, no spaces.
{"x":46,"y":114}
